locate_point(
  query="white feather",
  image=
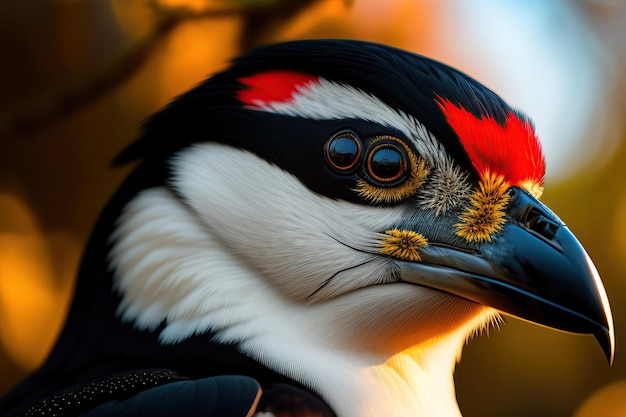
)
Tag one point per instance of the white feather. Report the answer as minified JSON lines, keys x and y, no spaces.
{"x":243,"y":253}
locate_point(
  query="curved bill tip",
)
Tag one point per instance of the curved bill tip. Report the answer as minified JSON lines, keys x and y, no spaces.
{"x":606,"y":339}
{"x":605,"y":335}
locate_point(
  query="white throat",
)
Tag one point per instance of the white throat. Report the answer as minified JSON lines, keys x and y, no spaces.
{"x":383,"y":350}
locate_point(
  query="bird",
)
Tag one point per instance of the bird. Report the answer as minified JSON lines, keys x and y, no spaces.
{"x":317,"y":229}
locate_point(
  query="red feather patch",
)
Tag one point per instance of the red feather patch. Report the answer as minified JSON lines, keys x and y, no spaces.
{"x":512,"y":150}
{"x":272,"y":87}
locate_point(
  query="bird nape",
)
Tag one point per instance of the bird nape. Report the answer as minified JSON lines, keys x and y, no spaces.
{"x":316,"y":230}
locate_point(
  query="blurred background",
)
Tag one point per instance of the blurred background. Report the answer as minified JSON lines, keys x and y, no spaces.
{"x":78,"y":77}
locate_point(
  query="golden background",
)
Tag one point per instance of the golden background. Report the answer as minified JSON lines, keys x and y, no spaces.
{"x":78,"y":77}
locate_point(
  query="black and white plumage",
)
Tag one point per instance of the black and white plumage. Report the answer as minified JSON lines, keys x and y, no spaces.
{"x":323,"y":224}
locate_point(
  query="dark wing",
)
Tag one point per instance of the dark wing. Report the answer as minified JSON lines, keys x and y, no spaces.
{"x":165,"y":393}
{"x":154,"y":393}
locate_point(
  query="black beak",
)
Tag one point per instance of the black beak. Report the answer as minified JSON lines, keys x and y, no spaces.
{"x":535,"y":270}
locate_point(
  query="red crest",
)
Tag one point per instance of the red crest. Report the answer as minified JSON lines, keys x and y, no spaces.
{"x":512,"y":150}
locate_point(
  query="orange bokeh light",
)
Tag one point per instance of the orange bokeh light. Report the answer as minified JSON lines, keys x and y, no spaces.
{"x":33,"y":299}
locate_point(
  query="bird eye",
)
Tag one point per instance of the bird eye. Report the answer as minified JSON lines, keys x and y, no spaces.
{"x":343,"y":151}
{"x":386,"y":163}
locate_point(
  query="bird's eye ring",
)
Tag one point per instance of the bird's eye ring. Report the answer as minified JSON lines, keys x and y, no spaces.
{"x":343,"y":151}
{"x":386,"y":163}
{"x":392,"y":171}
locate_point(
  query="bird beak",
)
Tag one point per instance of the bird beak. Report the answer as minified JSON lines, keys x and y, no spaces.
{"x":535,"y":269}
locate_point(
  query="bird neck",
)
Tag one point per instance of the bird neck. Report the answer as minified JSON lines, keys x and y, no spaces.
{"x":407,"y":376}
{"x":362,"y":354}
{"x":414,"y":382}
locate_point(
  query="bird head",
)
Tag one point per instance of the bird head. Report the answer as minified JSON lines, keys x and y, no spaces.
{"x":323,"y":206}
{"x":338,"y":169}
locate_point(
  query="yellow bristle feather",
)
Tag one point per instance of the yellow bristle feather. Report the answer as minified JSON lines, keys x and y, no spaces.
{"x":402,"y":244}
{"x":486,"y":215}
